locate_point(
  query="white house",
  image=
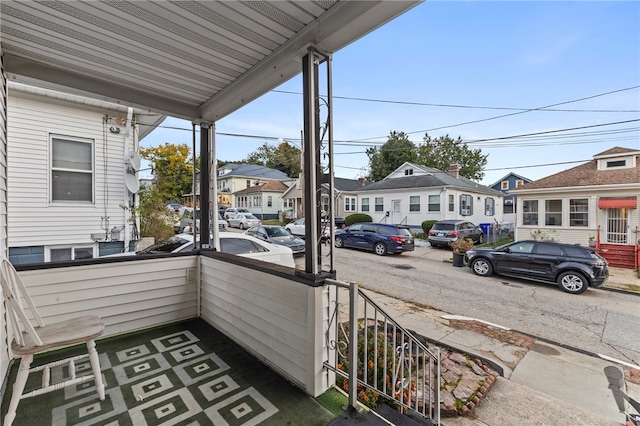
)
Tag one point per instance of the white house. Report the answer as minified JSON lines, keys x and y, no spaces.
{"x":413,"y":194}
{"x":598,"y":200}
{"x":74,"y":165}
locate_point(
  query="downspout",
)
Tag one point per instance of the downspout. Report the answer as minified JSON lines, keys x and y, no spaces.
{"x":127,"y":160}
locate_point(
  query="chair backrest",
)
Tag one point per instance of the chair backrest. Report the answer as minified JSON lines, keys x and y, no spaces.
{"x":14,"y":294}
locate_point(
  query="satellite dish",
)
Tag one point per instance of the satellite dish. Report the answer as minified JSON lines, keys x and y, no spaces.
{"x":134,"y":160}
{"x":131,"y":182}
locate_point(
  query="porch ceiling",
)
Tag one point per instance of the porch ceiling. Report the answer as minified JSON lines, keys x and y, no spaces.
{"x":197,"y":60}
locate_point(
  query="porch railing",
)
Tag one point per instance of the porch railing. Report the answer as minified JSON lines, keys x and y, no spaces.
{"x":391,"y":364}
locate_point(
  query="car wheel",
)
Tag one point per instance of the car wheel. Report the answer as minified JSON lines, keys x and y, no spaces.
{"x":380,"y":249}
{"x":573,"y":282}
{"x":241,"y":226}
{"x":481,"y":239}
{"x":481,"y":267}
{"x":339,"y":243}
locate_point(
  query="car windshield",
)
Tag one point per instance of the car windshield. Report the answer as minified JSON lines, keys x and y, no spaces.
{"x":444,"y":226}
{"x":165,"y":246}
{"x":277,"y":232}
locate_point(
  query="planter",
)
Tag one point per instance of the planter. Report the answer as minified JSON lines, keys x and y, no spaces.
{"x":458,"y":260}
{"x":592,"y":243}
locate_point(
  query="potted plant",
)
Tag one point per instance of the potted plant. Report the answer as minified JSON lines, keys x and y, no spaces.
{"x":592,"y":241}
{"x":460,"y":247}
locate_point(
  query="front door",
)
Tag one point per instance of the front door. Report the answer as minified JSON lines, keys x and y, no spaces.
{"x":617,"y":226}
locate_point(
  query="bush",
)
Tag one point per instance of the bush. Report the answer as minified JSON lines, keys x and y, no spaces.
{"x":356,"y":218}
{"x":427,"y":225}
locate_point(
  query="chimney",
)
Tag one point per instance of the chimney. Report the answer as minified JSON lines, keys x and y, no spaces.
{"x":361,"y":181}
{"x":454,"y":170}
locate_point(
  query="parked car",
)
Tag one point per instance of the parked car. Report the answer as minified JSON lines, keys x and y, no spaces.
{"x":573,"y":267}
{"x":230,"y":242}
{"x":445,"y":231}
{"x":232,"y":211}
{"x":297,"y":228}
{"x":188,"y":218}
{"x":380,"y":238}
{"x":244,"y":221}
{"x":275,"y":234}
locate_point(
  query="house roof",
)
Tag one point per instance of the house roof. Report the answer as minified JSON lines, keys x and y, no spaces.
{"x":588,"y":174}
{"x":267,"y":186}
{"x":349,"y":185}
{"x":251,"y":171}
{"x":507,"y":176}
{"x":435,"y":179}
{"x":196,"y":60}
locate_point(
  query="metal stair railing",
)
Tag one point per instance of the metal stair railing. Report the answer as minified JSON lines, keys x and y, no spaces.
{"x":392,"y":365}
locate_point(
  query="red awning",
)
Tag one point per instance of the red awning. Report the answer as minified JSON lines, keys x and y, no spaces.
{"x":618,"y":203}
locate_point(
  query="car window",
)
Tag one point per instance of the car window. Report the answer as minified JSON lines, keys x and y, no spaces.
{"x":577,"y":252}
{"x":522,"y":247}
{"x":299,"y":222}
{"x":386,"y":230}
{"x":356,"y":227}
{"x":444,"y":226}
{"x":368,"y":228}
{"x":549,"y":249}
{"x":240,"y":246}
{"x":165,"y":246}
{"x":277,"y":232}
{"x":404,"y":232}
{"x":249,"y":216}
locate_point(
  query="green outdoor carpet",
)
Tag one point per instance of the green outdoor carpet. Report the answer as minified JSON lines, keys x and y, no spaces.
{"x":182,"y":374}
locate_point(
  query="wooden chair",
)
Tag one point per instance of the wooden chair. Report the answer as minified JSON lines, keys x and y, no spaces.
{"x":29,"y":340}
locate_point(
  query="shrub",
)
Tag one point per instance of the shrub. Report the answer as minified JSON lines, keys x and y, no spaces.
{"x":461,"y":246}
{"x":356,"y":218}
{"x":427,"y":225}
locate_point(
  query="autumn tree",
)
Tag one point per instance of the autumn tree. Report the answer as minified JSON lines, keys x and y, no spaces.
{"x":439,"y":153}
{"x":172,"y":167}
{"x":284,"y":157}
{"x":383,"y":160}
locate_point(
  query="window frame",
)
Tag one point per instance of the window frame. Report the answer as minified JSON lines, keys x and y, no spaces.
{"x":350,"y":204}
{"x":466,"y":199}
{"x":504,"y":185}
{"x":529,"y":212}
{"x":551,"y":216}
{"x":573,"y":221}
{"x":363,"y":204}
{"x":379,"y":207}
{"x":72,"y":248}
{"x":414,"y":207}
{"x":92,"y":172}
{"x":433,"y":206}
{"x":489,"y":206}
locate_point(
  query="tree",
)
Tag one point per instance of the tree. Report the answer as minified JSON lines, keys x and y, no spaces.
{"x":284,"y":157}
{"x":173,"y":169}
{"x":397,"y":150}
{"x":443,"y":151}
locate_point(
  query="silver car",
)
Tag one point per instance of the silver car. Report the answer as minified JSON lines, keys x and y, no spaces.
{"x":445,"y":231}
{"x":243,"y":221}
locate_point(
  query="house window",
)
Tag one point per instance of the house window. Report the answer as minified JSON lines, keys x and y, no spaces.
{"x":519,"y":183}
{"x":466,"y":205}
{"x":325,"y":203}
{"x":504,"y":185}
{"x":617,"y":163}
{"x":269,"y":201}
{"x":350,"y":204}
{"x":408,"y":172}
{"x":248,"y":183}
{"x":452,"y":207}
{"x":71,"y":170}
{"x":414,"y":203}
{"x":365,"y":205}
{"x":489,"y":206}
{"x":530,"y":212}
{"x":579,"y":212}
{"x":553,"y":212}
{"x":379,"y":204}
{"x":70,"y":253}
{"x":434,"y":203}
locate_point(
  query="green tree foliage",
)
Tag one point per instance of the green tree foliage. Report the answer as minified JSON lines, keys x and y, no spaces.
{"x":155,"y":219}
{"x":173,"y":169}
{"x":443,"y":151}
{"x":383,"y":160}
{"x":284,"y":157}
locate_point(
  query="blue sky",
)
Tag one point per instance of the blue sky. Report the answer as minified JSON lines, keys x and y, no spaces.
{"x":469,"y":61}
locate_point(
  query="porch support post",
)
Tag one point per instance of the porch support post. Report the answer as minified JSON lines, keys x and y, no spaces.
{"x":311,"y":163}
{"x":205,"y":137}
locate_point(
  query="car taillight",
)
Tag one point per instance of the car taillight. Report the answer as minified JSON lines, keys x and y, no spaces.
{"x":398,"y":239}
{"x":431,"y":232}
{"x":454,"y":233}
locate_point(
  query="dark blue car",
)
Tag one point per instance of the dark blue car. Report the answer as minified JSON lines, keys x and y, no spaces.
{"x":377,"y":237}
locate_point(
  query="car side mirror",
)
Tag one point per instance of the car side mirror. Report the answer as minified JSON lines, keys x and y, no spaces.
{"x":507,"y":250}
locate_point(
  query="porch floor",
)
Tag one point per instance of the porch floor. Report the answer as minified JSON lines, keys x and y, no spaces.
{"x":185,"y":373}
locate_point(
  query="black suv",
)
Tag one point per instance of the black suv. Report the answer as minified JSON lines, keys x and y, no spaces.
{"x":572,"y":267}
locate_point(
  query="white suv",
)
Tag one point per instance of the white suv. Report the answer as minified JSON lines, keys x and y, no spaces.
{"x":232,"y":211}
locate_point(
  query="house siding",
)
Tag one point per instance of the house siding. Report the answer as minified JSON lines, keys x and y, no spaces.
{"x":4,"y":349}
{"x":235,"y":300}
{"x":33,"y":220}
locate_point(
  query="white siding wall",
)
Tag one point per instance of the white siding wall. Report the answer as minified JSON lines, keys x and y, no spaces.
{"x":4,"y":350}
{"x":416,"y":218}
{"x":276,"y":319}
{"x":33,"y":220}
{"x":128,"y":296}
{"x":569,"y":234}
